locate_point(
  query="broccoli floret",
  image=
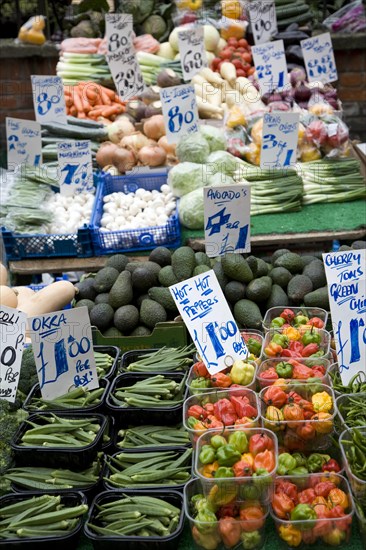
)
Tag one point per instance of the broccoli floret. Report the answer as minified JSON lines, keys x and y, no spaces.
{"x":28,"y":372}
{"x":6,"y":457}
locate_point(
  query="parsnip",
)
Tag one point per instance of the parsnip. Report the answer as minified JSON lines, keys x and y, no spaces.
{"x":228,"y":72}
{"x":211,"y":76}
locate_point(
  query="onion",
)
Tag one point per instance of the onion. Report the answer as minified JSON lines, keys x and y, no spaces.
{"x":120,"y":128}
{"x":152,"y":156}
{"x":169,"y":148}
{"x":105,"y":153}
{"x":110,"y":169}
{"x":297,"y":75}
{"x":135,"y":142}
{"x":154,"y":127}
{"x":123,"y":159}
{"x":302,"y":93}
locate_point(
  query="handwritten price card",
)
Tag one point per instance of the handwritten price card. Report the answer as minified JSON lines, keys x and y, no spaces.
{"x":24,"y":142}
{"x":227,"y":219}
{"x":208,"y":318}
{"x":13,"y":324}
{"x":121,"y":55}
{"x":271,"y":67}
{"x":192,"y":51}
{"x":63,"y":350}
{"x":346,"y":276}
{"x":279,"y":143}
{"x":180,"y":111}
{"x":263,"y":20}
{"x":75,"y":166}
{"x":48,"y":99}
{"x":319,"y":58}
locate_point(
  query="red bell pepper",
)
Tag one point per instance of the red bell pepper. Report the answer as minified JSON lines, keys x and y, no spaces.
{"x":310,"y":349}
{"x":259,"y":443}
{"x":288,"y":315}
{"x":242,"y":407}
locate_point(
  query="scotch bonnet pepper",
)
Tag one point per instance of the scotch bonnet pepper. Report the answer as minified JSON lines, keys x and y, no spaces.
{"x":251,"y":540}
{"x":239,"y":441}
{"x":227,"y":455}
{"x":242,"y":373}
{"x":305,"y":515}
{"x":284,"y":370}
{"x":286,"y":463}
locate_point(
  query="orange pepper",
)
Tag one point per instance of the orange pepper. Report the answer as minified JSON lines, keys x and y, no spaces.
{"x":320,"y":500}
{"x":292,"y":333}
{"x":252,"y":516}
{"x":265,"y":460}
{"x":221,"y":380}
{"x":337,"y":497}
{"x":209,"y":469}
{"x":273,"y":350}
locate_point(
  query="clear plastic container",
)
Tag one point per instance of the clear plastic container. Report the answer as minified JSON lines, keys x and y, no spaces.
{"x":324,"y":342}
{"x":334,"y":373}
{"x":308,"y":362}
{"x":328,"y":529}
{"x":358,"y":485}
{"x":197,"y":391}
{"x":212,"y":397}
{"x":290,"y":433}
{"x":333,"y":452}
{"x":344,"y":400}
{"x":360,"y":514}
{"x":258,"y":487}
{"x":205,"y":532}
{"x":309,"y":312}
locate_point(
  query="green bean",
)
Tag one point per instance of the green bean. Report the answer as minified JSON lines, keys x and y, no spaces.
{"x":164,"y":360}
{"x":152,"y":436}
{"x":157,"y":391}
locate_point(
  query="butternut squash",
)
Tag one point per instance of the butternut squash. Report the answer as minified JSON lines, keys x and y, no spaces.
{"x":53,"y":297}
{"x":8,"y":297}
{"x":3,"y":275}
{"x":24,"y":293}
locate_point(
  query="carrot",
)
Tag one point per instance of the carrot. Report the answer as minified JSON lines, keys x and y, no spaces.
{"x":73,"y":111}
{"x":113,"y":110}
{"x":97,"y":111}
{"x":110,"y":93}
{"x":67,"y":91}
{"x":91,"y":94}
{"x":105,"y":97}
{"x":68,"y":101}
{"x":77,"y":101}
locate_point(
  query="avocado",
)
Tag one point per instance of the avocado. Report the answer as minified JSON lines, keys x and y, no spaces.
{"x":161,"y":255}
{"x":102,"y":298}
{"x":163,"y":296}
{"x":234,"y":291}
{"x":105,"y":279}
{"x":166,"y":276}
{"x":291,"y":261}
{"x":199,"y":269}
{"x":151,"y":313}
{"x":236,"y":268}
{"x":85,"y":302}
{"x":141,"y":331}
{"x":220,"y":275}
{"x":298,"y":287}
{"x":318,"y":298}
{"x":358,"y":245}
{"x":118,"y":261}
{"x":101,"y":316}
{"x":277,"y":253}
{"x":112,"y":332}
{"x":259,"y":290}
{"x":344,"y":247}
{"x":126,"y":318}
{"x":262,"y":268}
{"x":307,"y":259}
{"x":121,"y":292}
{"x":143,"y":279}
{"x":280,"y":276}
{"x":316,"y":273}
{"x":247,"y":314}
{"x":153,"y":266}
{"x":183,"y":263}
{"x":86,"y":290}
{"x":140,"y":299}
{"x":202,"y":259}
{"x":277,"y":298}
{"x":253,"y":264}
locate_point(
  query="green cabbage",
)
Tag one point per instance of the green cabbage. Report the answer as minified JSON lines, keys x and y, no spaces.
{"x":191,"y":210}
{"x":221,"y":161}
{"x":193,"y":148}
{"x":139,"y":10}
{"x":219,"y":179}
{"x":214,"y":136}
{"x":186,"y":177}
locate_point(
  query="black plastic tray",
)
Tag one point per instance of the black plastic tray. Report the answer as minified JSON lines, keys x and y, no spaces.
{"x":136,"y":543}
{"x":131,"y":356}
{"x":58,"y":457}
{"x":114,"y":352}
{"x":146,"y":448}
{"x":135,"y":416}
{"x":69,"y":540}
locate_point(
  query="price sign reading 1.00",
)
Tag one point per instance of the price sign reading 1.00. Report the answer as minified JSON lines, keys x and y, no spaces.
{"x":192,"y":51}
{"x":180,"y":111}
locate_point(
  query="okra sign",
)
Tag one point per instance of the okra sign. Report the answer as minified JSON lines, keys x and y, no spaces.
{"x":346,"y":276}
{"x":13,"y":324}
{"x":63,"y":350}
{"x":208,"y":318}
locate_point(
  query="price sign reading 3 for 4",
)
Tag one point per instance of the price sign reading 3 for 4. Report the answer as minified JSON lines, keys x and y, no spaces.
{"x":319,"y":58}
{"x":279,"y":143}
{"x":48,"y":99}
{"x":208,"y":318}
{"x":271,"y":67}
{"x":262,"y":14}
{"x":180,"y":111}
{"x":75,"y":165}
{"x":24,"y":142}
{"x":192,"y":51}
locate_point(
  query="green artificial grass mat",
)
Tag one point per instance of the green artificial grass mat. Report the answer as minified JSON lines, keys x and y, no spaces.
{"x":315,"y":217}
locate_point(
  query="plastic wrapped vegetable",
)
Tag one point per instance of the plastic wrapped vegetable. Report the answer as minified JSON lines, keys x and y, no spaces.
{"x":191,"y":210}
{"x":186,"y":177}
{"x":214,"y":136}
{"x":221,"y":161}
{"x":193,"y":148}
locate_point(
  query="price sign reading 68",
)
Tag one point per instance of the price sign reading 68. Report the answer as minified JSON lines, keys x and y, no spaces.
{"x":180,"y":111}
{"x":192,"y":51}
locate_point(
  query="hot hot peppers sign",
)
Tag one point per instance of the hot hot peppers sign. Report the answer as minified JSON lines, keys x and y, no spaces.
{"x":346,"y":276}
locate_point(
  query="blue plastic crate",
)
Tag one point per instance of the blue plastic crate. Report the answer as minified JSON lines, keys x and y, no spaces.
{"x":131,"y":240}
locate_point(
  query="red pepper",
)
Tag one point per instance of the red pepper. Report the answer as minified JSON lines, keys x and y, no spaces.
{"x":209,"y":408}
{"x":243,"y":407}
{"x":275,"y":396}
{"x":220,"y":380}
{"x":288,"y":489}
{"x":296,"y":347}
{"x":323,"y":488}
{"x":197,"y":412}
{"x":269,"y":374}
{"x":212,"y":422}
{"x":259,"y":443}
{"x":302,"y":372}
{"x":199,"y":369}
{"x":323,"y":526}
{"x":238,"y":390}
{"x":224,"y":411}
{"x":242,"y":469}
{"x":316,"y":322}
{"x":231,"y":510}
{"x":308,"y":536}
{"x":282,"y":505}
{"x":318,"y":371}
{"x":288,"y":315}
{"x":310,"y":349}
{"x":287,"y":353}
{"x":338,"y":512}
{"x":331,"y":466}
{"x":306,"y":496}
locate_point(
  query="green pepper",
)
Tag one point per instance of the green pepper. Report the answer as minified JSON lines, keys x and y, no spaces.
{"x":217,"y":441}
{"x":206,"y":521}
{"x":251,"y":540}
{"x":299,"y":471}
{"x":286,"y":462}
{"x":280,"y":339}
{"x":277,"y":322}
{"x":248,"y":491}
{"x":201,"y":503}
{"x":304,"y":513}
{"x":191,"y":422}
{"x":319,"y":353}
{"x":315,"y":383}
{"x":239,"y":440}
{"x":227,"y":455}
{"x":311,"y":337}
{"x":200,"y":383}
{"x":284,"y":370}
{"x":301,"y":459}
{"x":254,"y":346}
{"x":301,"y":320}
{"x":262,"y":480}
{"x":316,"y":461}
{"x":207,"y":454}
{"x":224,"y":471}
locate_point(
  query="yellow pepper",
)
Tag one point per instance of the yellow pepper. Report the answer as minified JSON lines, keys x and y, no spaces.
{"x":323,"y":423}
{"x":322,"y":402}
{"x":248,"y":458}
{"x":236,"y":118}
{"x":189,"y":4}
{"x":281,"y":382}
{"x":292,"y":333}
{"x":220,"y":495}
{"x":304,"y":328}
{"x":209,"y":469}
{"x":289,"y":534}
{"x":337,"y":497}
{"x":275,"y":419}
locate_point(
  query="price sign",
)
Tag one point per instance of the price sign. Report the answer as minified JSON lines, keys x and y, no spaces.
{"x":346,"y":277}
{"x":319,"y":58}
{"x":63,"y":349}
{"x":13,"y":324}
{"x":270,"y":64}
{"x":75,"y":167}
{"x":48,"y":99}
{"x":208,"y":318}
{"x":263,"y":20}
{"x":279,"y":143}
{"x":24,"y":142}
{"x":227,"y":219}
{"x":180,"y":111}
{"x":121,"y":55}
{"x":192,"y":51}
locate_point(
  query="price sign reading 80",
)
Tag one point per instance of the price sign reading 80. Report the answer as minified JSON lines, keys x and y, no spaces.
{"x":179,"y":111}
{"x":192,"y":51}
